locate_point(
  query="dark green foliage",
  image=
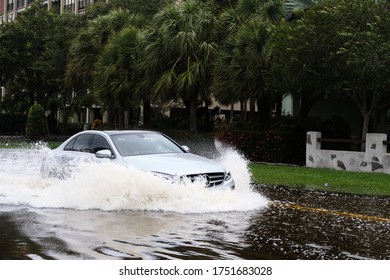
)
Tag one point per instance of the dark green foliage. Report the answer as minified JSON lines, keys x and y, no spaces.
{"x":335,"y":47}
{"x":285,"y":140}
{"x":256,"y":146}
{"x":73,"y":128}
{"x":12,"y":124}
{"x":293,"y":130}
{"x":37,"y":127}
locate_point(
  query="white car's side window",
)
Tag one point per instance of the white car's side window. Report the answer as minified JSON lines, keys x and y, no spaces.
{"x":69,"y":146}
{"x":81,"y":143}
{"x":99,"y":143}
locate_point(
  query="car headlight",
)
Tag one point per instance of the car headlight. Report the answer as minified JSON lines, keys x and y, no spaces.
{"x":165,"y":176}
{"x":228,"y":175}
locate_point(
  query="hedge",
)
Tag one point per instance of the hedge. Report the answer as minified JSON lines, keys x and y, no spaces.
{"x":36,"y":127}
{"x":256,"y":146}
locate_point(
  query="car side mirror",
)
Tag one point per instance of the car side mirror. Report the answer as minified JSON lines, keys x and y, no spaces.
{"x":185,"y":148}
{"x":104,"y":154}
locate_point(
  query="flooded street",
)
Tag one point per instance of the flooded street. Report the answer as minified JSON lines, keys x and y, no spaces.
{"x":110,"y":212}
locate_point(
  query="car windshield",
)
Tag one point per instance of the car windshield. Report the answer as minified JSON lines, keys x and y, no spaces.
{"x":144,"y":143}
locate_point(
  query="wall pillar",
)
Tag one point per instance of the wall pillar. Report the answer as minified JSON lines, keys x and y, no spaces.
{"x":62,"y":4}
{"x":312,"y":147}
{"x":375,"y":149}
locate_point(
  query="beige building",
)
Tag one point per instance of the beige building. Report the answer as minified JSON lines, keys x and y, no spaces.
{"x":9,"y":9}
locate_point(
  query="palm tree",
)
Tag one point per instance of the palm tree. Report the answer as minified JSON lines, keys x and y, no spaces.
{"x":89,"y":46}
{"x":114,"y":77}
{"x":240,"y":65}
{"x":244,"y":56}
{"x":180,"y":53}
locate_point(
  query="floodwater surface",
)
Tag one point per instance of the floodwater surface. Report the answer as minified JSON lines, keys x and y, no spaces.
{"x":105,"y":211}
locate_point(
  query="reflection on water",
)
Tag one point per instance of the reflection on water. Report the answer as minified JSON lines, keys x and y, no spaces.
{"x":95,"y":217}
{"x":344,"y":228}
{"x":95,"y":234}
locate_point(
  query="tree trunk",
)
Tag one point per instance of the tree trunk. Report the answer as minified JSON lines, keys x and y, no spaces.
{"x":231,"y":112}
{"x":110,"y":114}
{"x":243,"y":114}
{"x":264,"y":105}
{"x":252,"y":109}
{"x":366,"y":123}
{"x":147,"y":113}
{"x":279,"y":100}
{"x":32,"y":98}
{"x":121,"y":117}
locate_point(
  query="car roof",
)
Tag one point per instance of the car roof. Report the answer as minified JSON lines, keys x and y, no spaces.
{"x":134,"y":131}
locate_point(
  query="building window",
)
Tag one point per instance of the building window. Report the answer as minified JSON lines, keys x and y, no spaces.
{"x":70,"y":5}
{"x":20,"y":3}
{"x":10,"y":5}
{"x":82,"y":4}
{"x":30,"y":1}
{"x":56,"y":6}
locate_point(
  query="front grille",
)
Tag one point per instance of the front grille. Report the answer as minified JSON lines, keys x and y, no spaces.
{"x":213,"y":179}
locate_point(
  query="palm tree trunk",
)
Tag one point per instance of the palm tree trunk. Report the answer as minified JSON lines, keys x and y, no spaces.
{"x":231,"y":112}
{"x":147,"y":113}
{"x":121,"y":117}
{"x":243,"y":114}
{"x":252,"y":109}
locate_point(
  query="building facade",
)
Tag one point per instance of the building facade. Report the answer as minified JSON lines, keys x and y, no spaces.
{"x":9,"y":9}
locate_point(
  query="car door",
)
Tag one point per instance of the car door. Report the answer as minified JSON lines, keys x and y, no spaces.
{"x":99,"y":143}
{"x":63,"y":161}
{"x":78,"y":147}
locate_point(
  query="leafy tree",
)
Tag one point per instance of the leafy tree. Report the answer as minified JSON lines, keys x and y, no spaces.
{"x":142,"y":7}
{"x":115,"y":74}
{"x":179,"y":55}
{"x":89,"y":45}
{"x":244,"y":54}
{"x":35,"y":57}
{"x":338,"y":47}
{"x":364,"y":54}
{"x":37,"y":127}
{"x":240,"y":64}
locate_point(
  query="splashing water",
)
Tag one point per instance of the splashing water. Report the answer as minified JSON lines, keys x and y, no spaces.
{"x":108,"y":186}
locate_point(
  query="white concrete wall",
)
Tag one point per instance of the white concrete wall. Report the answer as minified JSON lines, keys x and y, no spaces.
{"x":374,"y":159}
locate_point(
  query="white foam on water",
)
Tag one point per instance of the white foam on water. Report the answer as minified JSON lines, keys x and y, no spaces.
{"x":111,"y":187}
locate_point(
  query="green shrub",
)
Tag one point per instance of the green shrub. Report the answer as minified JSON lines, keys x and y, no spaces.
{"x":73,"y":128}
{"x":256,"y":146}
{"x":283,"y":140}
{"x":37,"y":127}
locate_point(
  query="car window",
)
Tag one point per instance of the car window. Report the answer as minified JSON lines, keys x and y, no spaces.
{"x":69,"y":146}
{"x":132,"y":144}
{"x":81,"y":143}
{"x":99,"y":143}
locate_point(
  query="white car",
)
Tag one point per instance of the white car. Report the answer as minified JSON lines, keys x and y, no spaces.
{"x":147,"y":150}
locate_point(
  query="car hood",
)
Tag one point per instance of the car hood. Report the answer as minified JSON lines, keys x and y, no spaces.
{"x":174,"y":164}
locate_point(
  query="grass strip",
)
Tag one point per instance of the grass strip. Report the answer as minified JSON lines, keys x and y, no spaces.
{"x":27,"y":145}
{"x":361,"y":183}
